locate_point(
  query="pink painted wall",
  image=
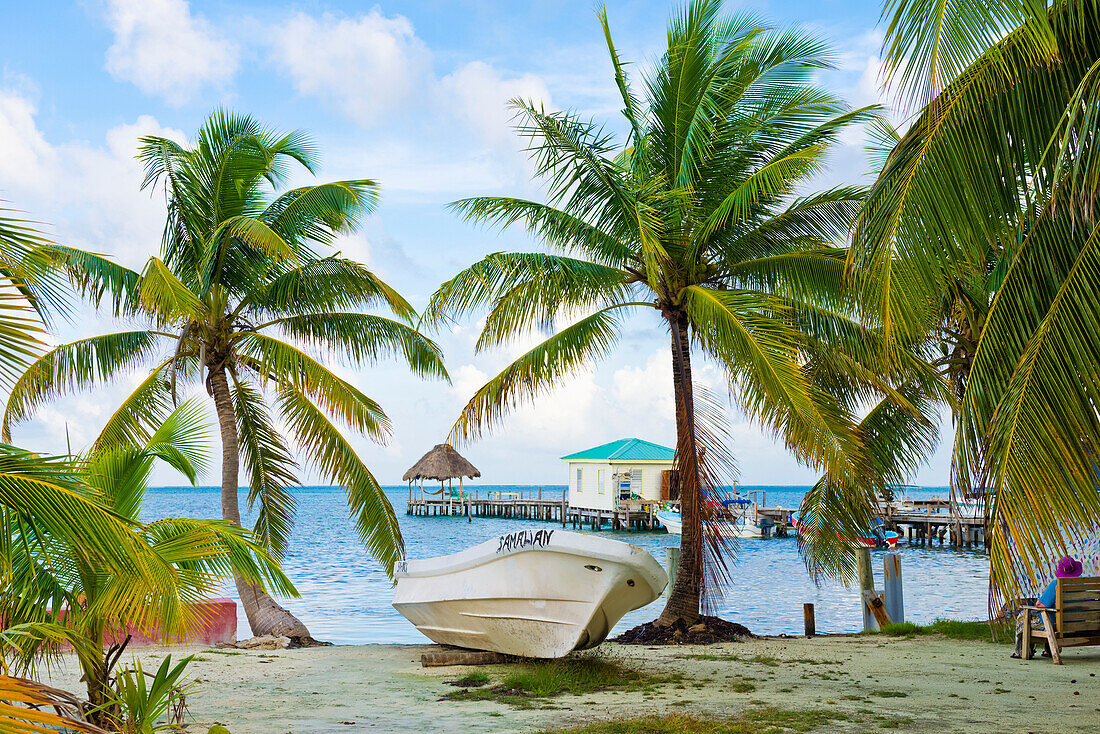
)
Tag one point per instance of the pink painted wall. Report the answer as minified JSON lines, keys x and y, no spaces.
{"x":217,"y":623}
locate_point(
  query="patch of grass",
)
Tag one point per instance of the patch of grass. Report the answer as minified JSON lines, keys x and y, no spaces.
{"x":889,"y":694}
{"x":473,"y":680}
{"x":224,"y":652}
{"x":765,"y":660}
{"x":743,"y":686}
{"x":893,"y":722}
{"x":765,"y":720}
{"x":526,"y":684}
{"x":901,"y":629}
{"x":954,"y":629}
{"x":1002,"y":633}
{"x":707,"y":656}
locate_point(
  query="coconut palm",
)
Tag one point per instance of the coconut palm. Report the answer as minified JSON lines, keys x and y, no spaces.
{"x":60,"y":593}
{"x":994,"y":185}
{"x":235,"y":302}
{"x":694,"y":220}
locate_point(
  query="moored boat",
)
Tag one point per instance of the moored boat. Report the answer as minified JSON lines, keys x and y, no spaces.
{"x":877,"y":536}
{"x":736,"y":528}
{"x":533,"y":593}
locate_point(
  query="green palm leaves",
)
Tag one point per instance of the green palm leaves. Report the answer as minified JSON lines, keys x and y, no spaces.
{"x":239,"y":295}
{"x":693,"y":218}
{"x":989,"y":197}
{"x":59,"y":586}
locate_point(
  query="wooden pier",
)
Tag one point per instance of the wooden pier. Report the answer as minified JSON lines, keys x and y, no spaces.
{"x":629,"y":515}
{"x":922,"y":522}
{"x":522,"y":505}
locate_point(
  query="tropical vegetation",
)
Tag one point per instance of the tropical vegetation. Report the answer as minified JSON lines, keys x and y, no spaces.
{"x":980,"y":235}
{"x":58,"y":593}
{"x":237,"y":300}
{"x":694,"y":219}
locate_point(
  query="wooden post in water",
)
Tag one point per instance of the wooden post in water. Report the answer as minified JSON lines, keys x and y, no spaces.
{"x":895,"y":600}
{"x":808,"y":619}
{"x":866,"y":583}
{"x":672,"y":560}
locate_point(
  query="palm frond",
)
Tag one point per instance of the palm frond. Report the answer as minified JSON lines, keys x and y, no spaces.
{"x":364,"y":338}
{"x":280,"y":363}
{"x":73,"y":366}
{"x":270,"y":466}
{"x":328,"y":284}
{"x":29,"y":707}
{"x":323,"y":444}
{"x":536,"y":372}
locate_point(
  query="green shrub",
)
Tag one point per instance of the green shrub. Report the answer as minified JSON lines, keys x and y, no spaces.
{"x":144,"y":703}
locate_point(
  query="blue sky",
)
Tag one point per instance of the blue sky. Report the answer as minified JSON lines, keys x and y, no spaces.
{"x":412,"y":94}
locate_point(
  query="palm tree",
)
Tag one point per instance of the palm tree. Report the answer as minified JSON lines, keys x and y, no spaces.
{"x":60,"y":593}
{"x":994,"y":185}
{"x":693,"y":219}
{"x":239,"y":269}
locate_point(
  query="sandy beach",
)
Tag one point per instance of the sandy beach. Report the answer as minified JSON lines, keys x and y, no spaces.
{"x":925,"y":683}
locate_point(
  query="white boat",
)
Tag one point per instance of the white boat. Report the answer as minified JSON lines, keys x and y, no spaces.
{"x":533,"y":593}
{"x":739,"y":528}
{"x":671,"y":520}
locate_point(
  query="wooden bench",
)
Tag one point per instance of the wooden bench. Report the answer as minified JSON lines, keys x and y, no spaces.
{"x":1073,"y":621}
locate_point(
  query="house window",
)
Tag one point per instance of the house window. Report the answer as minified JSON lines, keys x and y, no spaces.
{"x":578,"y":480}
{"x":599,"y":481}
{"x":636,"y":482}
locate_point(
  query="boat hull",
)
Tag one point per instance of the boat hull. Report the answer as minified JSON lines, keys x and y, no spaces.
{"x":674,"y":525}
{"x":532,"y":593}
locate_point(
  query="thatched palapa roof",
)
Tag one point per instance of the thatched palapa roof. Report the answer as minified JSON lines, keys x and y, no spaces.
{"x":441,"y":463}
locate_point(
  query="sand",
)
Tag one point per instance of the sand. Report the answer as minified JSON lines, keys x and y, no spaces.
{"x":938,"y":685}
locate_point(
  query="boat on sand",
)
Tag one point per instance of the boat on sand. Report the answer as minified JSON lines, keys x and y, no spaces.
{"x":533,"y":593}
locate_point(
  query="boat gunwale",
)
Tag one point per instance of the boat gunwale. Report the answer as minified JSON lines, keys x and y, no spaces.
{"x":562,"y":542}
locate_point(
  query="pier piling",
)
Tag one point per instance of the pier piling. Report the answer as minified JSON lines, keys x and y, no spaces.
{"x":895,"y":603}
{"x":672,"y":560}
{"x":866,"y":583}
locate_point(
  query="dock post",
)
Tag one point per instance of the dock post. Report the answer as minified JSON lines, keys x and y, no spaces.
{"x":672,"y":561}
{"x":895,"y":601}
{"x":808,"y":619}
{"x":866,"y":583}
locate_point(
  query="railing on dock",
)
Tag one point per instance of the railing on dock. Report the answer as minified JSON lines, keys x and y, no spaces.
{"x":521,"y":504}
{"x":921,"y":522}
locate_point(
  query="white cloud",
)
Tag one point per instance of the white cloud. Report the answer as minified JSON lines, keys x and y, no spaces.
{"x":367,"y":65}
{"x":646,"y":390}
{"x":163,"y":49}
{"x":24,"y":153}
{"x":478,"y":95}
{"x":89,"y":193}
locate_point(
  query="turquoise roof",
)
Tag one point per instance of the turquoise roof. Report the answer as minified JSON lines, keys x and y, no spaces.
{"x":626,"y":449}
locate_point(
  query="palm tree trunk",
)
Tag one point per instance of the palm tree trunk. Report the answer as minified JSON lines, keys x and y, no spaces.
{"x":683,"y":599}
{"x":265,"y":617}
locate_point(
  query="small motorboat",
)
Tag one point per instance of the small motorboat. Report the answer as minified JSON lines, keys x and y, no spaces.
{"x":876,"y":536}
{"x":532,"y":593}
{"x":671,"y":521}
{"x":737,"y":528}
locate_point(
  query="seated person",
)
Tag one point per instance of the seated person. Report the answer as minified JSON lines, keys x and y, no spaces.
{"x":1068,"y":568}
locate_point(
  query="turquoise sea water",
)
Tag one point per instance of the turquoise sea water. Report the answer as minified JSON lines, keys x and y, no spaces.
{"x":346,"y":596}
